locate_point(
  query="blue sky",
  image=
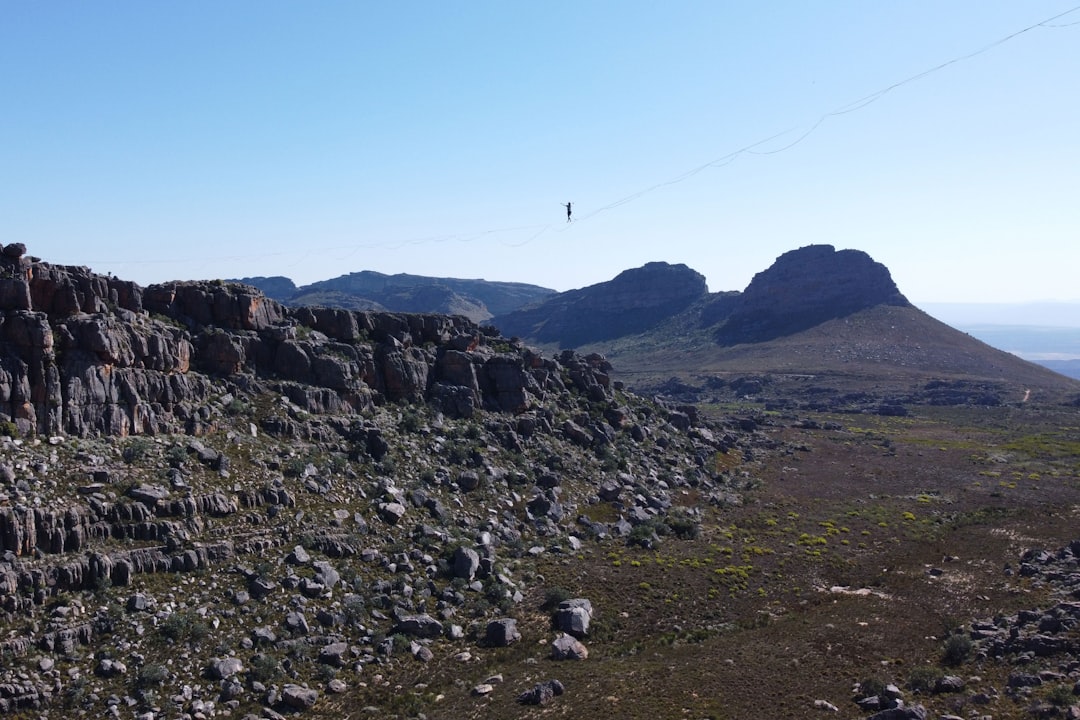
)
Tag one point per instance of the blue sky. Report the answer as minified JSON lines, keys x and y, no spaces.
{"x":194,"y":140}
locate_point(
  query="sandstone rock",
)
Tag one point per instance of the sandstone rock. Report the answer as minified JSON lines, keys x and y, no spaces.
{"x":466,"y":563}
{"x":567,"y":647}
{"x":949,"y":684}
{"x":325,"y":574}
{"x":912,"y":712}
{"x":299,"y":698}
{"x":421,"y":626}
{"x":335,"y":654}
{"x":468,"y":480}
{"x":501,"y":632}
{"x":110,"y":668}
{"x":542,"y":693}
{"x":392,"y":512}
{"x":573,"y":617}
{"x":224,"y":668}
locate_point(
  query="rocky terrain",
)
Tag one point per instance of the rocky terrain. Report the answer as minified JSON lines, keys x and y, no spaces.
{"x":212,"y":503}
{"x":216,"y":505}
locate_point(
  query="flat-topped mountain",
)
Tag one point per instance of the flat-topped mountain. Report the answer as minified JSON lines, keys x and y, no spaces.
{"x":805,"y":288}
{"x":633,"y":302}
{"x":477,"y":300}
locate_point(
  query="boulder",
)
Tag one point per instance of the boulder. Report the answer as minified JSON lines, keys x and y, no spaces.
{"x":466,"y":563}
{"x":567,"y":647}
{"x":299,"y":698}
{"x":224,"y":668}
{"x":421,"y":626}
{"x":501,"y":632}
{"x":573,"y":616}
{"x":908,"y":712}
{"x":335,"y":654}
{"x":542,"y":693}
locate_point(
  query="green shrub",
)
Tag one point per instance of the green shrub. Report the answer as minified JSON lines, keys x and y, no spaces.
{"x":957,"y":648}
{"x":295,"y":466}
{"x":871,"y":686}
{"x":263,"y":668}
{"x":683,"y":525}
{"x":923,"y":678}
{"x":176,"y":456}
{"x":152,"y":674}
{"x":137,"y":448}
{"x":184,"y":626}
{"x":1060,"y":696}
{"x":410,"y":421}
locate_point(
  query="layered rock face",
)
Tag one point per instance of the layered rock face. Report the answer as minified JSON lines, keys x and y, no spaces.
{"x":84,"y":354}
{"x":807,"y":287}
{"x":632,"y":302}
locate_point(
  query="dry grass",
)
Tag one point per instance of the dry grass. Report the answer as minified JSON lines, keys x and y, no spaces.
{"x":749,"y":621}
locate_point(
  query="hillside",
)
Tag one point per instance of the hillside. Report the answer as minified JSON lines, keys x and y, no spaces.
{"x":477,"y":300}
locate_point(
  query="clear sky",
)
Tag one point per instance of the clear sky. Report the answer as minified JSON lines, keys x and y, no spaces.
{"x":190,"y":140}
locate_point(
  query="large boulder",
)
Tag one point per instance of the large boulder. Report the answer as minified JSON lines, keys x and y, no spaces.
{"x":299,"y":698}
{"x":421,"y":626}
{"x":502,"y":632}
{"x":567,"y":647}
{"x":573,"y":617}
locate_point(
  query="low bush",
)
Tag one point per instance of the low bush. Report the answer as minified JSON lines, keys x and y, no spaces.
{"x":957,"y":649}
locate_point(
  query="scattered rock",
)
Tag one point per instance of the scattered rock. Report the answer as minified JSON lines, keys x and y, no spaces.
{"x":573,"y":617}
{"x":542,"y":693}
{"x":224,"y":668}
{"x":501,"y":632}
{"x":299,"y":698}
{"x":567,"y":647}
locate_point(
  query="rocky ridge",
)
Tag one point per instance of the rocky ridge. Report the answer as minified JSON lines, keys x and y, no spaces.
{"x":211,"y":503}
{"x":477,"y":300}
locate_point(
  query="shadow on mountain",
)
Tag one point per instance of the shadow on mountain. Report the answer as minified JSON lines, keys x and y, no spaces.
{"x":805,"y":288}
{"x":633,"y":302}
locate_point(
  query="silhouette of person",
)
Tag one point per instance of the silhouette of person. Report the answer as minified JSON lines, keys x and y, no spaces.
{"x":567,"y":206}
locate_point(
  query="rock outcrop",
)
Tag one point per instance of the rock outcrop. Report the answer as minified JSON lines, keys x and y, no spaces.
{"x":84,"y":354}
{"x":804,"y":288}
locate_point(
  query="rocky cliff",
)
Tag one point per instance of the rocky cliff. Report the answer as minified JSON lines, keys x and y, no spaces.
{"x":87,"y":354}
{"x":365,"y":491}
{"x":634,"y":301}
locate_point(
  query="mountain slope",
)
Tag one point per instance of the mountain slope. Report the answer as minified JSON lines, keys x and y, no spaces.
{"x":834,"y":318}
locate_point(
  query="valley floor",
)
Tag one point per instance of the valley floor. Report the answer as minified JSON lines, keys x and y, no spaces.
{"x":858,"y":552}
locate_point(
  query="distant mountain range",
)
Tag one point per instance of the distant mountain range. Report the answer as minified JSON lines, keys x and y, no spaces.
{"x":478,"y":300}
{"x":835,"y":317}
